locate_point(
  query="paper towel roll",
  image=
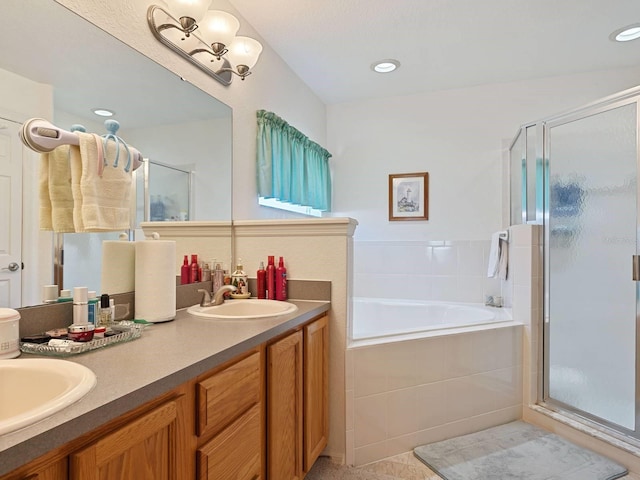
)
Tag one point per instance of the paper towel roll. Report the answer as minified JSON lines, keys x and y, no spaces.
{"x":155,"y":283}
{"x":118,"y":267}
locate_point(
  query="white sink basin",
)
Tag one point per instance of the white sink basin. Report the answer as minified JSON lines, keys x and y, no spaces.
{"x":32,"y":389}
{"x":244,"y":309}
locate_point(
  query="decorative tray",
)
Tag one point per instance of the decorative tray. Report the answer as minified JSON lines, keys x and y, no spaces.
{"x":128,"y":331}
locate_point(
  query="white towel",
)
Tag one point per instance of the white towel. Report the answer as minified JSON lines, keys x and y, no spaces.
{"x":503,"y":268}
{"x":105,"y":198}
{"x":498,"y":257}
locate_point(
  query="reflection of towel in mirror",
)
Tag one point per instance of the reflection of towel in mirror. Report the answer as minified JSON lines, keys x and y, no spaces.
{"x":105,"y":198}
{"x":43,"y":190}
{"x":60,"y":190}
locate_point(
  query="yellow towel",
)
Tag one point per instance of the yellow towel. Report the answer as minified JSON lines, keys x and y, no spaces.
{"x":45,"y":201}
{"x":105,"y":199}
{"x":60,"y":190}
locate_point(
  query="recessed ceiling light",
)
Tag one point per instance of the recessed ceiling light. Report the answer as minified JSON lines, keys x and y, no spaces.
{"x":625,"y":34}
{"x":103,"y":112}
{"x":385,"y":66}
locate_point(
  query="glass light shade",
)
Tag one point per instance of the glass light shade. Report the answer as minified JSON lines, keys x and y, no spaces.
{"x":189,"y":8}
{"x":244,"y":51}
{"x":218,"y":27}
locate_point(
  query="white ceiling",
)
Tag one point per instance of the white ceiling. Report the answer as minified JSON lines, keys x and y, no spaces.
{"x":441,"y":44}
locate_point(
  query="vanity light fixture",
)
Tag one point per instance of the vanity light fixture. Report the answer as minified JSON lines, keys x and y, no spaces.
{"x":207,"y":38}
{"x":625,"y":34}
{"x":385,"y":66}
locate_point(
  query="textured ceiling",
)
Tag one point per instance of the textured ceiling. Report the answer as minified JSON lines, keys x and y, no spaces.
{"x":441,"y":44}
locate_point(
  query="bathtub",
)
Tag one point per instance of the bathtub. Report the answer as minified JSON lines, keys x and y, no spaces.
{"x":419,"y":372}
{"x":377,"y":317}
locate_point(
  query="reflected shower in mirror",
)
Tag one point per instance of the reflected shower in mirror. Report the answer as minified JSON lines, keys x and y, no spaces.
{"x":57,"y":66}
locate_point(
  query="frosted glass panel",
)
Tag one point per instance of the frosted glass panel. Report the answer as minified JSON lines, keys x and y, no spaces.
{"x":517,"y":175}
{"x":592,"y":237}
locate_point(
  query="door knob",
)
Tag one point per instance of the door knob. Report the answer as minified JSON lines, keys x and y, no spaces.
{"x":12,"y":267}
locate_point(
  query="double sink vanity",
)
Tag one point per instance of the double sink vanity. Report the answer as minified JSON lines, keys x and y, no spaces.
{"x":198,"y":397}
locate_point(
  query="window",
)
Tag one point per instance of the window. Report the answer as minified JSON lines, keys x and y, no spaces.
{"x":291,"y":169}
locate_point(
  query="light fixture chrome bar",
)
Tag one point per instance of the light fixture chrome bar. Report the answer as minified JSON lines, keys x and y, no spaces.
{"x":222,"y":75}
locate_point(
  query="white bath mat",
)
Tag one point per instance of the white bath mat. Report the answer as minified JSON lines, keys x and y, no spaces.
{"x":517,"y":451}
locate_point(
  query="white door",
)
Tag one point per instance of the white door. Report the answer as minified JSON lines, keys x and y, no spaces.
{"x":10,"y":215}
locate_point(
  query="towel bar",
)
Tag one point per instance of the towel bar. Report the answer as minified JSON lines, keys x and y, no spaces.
{"x":42,"y":136}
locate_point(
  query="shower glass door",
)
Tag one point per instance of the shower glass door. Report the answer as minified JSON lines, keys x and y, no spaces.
{"x":590,"y":229}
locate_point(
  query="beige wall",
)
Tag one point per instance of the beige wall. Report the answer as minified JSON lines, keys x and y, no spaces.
{"x":315,"y":249}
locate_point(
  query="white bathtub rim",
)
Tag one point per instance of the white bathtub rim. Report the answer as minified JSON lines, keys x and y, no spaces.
{"x":367,"y":342}
{"x":500,"y":316}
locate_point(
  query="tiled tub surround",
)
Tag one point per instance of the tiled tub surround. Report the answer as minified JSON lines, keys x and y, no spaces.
{"x":451,"y":271}
{"x":402,"y":394}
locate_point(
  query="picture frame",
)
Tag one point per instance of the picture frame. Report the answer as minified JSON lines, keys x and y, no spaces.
{"x":409,"y":196}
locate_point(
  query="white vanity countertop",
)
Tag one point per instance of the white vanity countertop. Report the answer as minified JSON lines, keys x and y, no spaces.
{"x":133,"y":373}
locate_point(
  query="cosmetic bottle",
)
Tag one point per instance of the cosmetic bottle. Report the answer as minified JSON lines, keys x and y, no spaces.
{"x":281,"y":281}
{"x":218,"y":277}
{"x":80,"y":306}
{"x":240,"y":281}
{"x":92,"y":307}
{"x":271,"y":278}
{"x":112,"y":309}
{"x":261,"y":277}
{"x":65,"y":296}
{"x":105,"y":311}
{"x":185,"y":271}
{"x":206,"y":272}
{"x":49,"y":293}
{"x":193,"y":278}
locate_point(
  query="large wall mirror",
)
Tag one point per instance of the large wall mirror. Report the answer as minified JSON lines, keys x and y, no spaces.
{"x":56,"y":65}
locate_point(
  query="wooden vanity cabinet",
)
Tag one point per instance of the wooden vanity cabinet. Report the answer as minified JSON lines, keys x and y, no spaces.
{"x":284,"y":408}
{"x":262,"y":415}
{"x":297,"y":400}
{"x":316,"y":389}
{"x":146,"y":448}
{"x":230,"y":420}
{"x":42,"y":470}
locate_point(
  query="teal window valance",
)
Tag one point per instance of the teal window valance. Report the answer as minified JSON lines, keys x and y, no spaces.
{"x":290,"y":167}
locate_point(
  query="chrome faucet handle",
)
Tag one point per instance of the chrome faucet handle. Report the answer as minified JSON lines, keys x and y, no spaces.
{"x":206,"y":298}
{"x":218,"y":296}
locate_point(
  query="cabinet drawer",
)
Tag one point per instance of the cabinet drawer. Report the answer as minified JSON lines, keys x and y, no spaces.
{"x":236,"y":452}
{"x":229,"y":393}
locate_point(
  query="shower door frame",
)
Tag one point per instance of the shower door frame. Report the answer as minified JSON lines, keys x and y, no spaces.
{"x":627,"y":97}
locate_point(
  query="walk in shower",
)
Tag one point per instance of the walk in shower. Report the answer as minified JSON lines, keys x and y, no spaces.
{"x":576,"y":174}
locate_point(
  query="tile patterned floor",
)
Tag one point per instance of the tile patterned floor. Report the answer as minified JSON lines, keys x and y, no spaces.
{"x":401,"y":467}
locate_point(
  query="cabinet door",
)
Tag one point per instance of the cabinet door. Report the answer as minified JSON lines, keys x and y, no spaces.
{"x":52,"y":470}
{"x":284,"y":408}
{"x":316,"y":390}
{"x":229,"y":393}
{"x":236,"y":452}
{"x":144,"y":449}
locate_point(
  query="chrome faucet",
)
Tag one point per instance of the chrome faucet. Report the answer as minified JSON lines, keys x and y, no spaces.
{"x":218,"y":296}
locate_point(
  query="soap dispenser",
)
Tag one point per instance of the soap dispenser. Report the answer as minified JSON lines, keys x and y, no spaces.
{"x":240,"y":281}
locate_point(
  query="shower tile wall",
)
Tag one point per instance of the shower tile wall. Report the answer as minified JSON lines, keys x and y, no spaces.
{"x":454,"y":271}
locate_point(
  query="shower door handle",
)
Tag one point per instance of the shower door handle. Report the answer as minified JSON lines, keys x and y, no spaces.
{"x":636,"y":268}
